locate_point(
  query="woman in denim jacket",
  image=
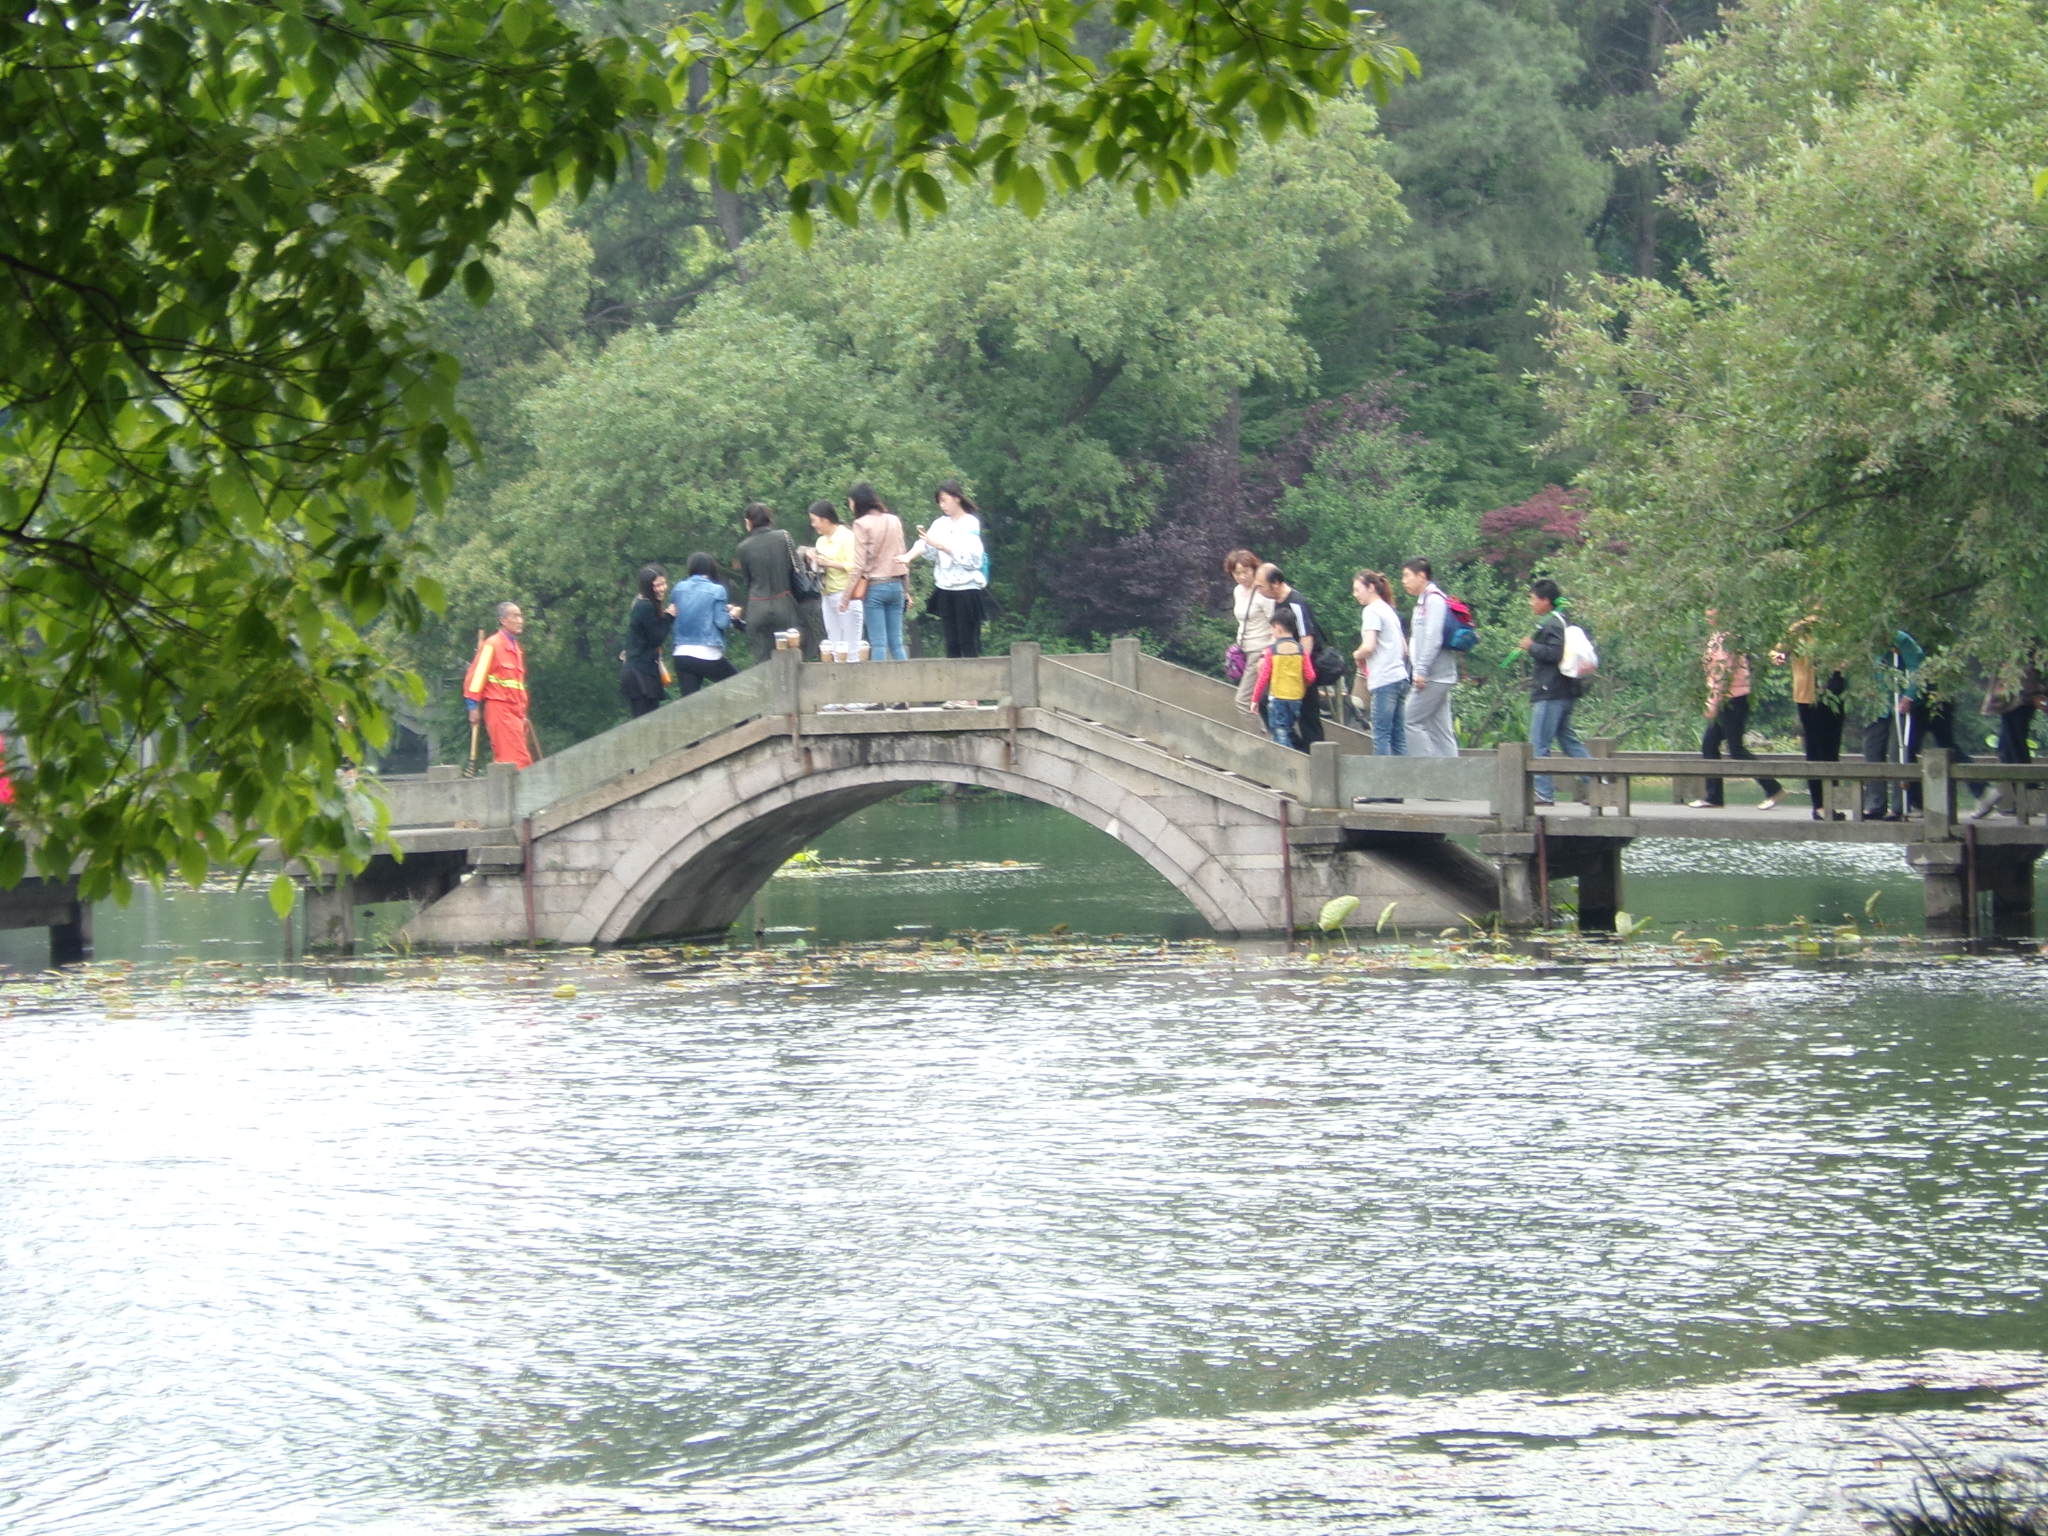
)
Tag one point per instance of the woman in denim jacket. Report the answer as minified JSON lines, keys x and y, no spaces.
{"x":704,"y":616}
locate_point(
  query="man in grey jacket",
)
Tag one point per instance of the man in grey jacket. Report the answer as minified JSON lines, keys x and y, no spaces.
{"x":1434,"y":665}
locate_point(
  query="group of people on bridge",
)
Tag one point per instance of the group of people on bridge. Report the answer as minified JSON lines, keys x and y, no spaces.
{"x":1405,"y":678}
{"x":844,"y":598}
{"x":841,"y":598}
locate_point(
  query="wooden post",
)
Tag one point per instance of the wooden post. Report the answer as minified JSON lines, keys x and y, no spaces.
{"x":1024,"y":674}
{"x":1514,"y":800}
{"x":1937,"y":795}
{"x":1598,"y":793}
{"x":1940,"y":868}
{"x":1600,"y":889}
{"x":501,"y":781}
{"x":1123,"y":662}
{"x":331,"y":911}
{"x":788,"y":682}
{"x":71,"y":938}
{"x":1324,"y":788}
{"x":2007,"y":871}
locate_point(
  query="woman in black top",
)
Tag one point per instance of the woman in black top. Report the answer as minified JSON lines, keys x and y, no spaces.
{"x":643,"y":677}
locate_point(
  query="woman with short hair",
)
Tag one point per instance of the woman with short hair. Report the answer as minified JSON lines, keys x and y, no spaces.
{"x":1253,"y":612}
{"x":703,"y":617}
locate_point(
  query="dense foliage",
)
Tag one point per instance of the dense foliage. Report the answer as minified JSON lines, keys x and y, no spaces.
{"x":1843,"y":409}
{"x":221,"y":420}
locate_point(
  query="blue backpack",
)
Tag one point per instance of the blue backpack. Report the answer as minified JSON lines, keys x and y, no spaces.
{"x":1461,"y":630}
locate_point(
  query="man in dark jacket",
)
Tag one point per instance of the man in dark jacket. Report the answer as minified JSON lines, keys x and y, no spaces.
{"x":1551,"y":693}
{"x":1308,"y":728}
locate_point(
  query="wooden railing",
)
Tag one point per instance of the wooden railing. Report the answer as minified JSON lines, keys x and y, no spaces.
{"x":1502,"y":781}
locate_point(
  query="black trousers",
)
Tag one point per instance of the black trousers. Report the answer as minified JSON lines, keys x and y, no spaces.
{"x":693,"y":672}
{"x":960,"y":616}
{"x":1727,"y":727}
{"x":1920,"y":723}
{"x":1820,"y":738}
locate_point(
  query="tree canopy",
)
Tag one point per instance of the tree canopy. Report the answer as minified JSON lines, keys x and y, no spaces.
{"x":222,"y":418}
{"x":1844,"y":407}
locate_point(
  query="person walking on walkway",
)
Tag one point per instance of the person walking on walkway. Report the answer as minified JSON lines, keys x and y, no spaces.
{"x":881,"y":573}
{"x":954,"y":545}
{"x":643,"y":673}
{"x":1820,"y":705}
{"x":1253,"y":612}
{"x":1552,"y":695}
{"x":1308,"y":721}
{"x":1287,"y":678}
{"x":704,"y":615}
{"x":1382,"y":658}
{"x":495,"y":689}
{"x":1727,"y":716}
{"x":1432,"y":666}
{"x":2015,"y":711}
{"x":767,"y":562}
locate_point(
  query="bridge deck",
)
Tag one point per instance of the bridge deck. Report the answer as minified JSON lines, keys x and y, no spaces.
{"x":1783,"y":824}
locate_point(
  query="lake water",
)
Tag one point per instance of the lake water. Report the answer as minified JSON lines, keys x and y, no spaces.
{"x":901,"y":1218}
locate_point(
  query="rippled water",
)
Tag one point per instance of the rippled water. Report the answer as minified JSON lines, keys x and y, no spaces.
{"x":1182,"y":1243}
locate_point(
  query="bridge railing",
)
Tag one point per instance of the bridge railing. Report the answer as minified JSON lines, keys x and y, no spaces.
{"x":637,"y":744}
{"x":1073,"y":686}
{"x":1501,"y":781}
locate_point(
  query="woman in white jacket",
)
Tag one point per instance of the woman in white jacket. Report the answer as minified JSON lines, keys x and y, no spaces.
{"x":959,"y":569}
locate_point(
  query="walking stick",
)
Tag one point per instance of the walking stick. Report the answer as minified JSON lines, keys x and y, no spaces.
{"x":475,"y":723}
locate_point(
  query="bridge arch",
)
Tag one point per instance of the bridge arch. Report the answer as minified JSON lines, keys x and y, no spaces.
{"x":678,"y":873}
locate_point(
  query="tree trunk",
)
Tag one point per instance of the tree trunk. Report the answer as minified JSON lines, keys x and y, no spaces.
{"x":1650,"y":173}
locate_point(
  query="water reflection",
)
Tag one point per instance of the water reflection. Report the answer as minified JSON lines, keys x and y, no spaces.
{"x":445,"y":1250}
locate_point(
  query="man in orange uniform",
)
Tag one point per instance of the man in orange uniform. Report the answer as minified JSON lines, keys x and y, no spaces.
{"x":497,"y":678}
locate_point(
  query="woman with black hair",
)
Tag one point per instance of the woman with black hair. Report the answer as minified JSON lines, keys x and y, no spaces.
{"x":643,"y":676}
{"x":881,"y":573}
{"x":959,"y":569}
{"x":767,"y":558}
{"x":703,"y":618}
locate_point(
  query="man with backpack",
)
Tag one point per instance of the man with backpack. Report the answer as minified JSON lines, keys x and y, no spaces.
{"x":1433,"y":665}
{"x":1560,"y":659}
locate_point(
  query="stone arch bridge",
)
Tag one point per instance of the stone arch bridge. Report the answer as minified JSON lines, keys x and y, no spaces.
{"x":669,"y":824}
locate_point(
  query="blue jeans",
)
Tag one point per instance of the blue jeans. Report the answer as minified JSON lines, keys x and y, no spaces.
{"x":1550,"y":720}
{"x":1390,"y":719}
{"x":883,"y":615}
{"x":1280,"y":717}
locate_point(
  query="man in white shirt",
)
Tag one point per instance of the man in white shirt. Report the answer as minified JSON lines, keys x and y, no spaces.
{"x":1433,"y":666}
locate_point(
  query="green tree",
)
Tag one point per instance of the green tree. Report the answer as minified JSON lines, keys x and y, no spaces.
{"x":223,"y":419}
{"x":1845,"y":409}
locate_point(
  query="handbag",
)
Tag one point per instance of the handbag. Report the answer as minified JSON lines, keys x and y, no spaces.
{"x":803,"y":577}
{"x":1234,"y":658}
{"x":1328,"y":662}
